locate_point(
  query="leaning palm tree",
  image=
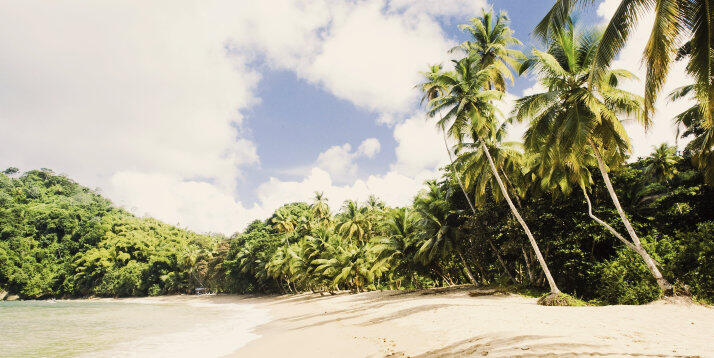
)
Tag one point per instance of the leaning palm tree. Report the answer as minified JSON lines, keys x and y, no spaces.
{"x":661,"y":164}
{"x":574,"y":119}
{"x":674,"y":20}
{"x":470,"y":111}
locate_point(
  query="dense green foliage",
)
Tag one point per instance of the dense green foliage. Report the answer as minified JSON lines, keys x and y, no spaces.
{"x":58,"y":238}
{"x":421,"y":245}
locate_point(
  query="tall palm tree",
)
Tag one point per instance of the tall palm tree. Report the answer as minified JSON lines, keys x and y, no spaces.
{"x":572,"y":118}
{"x":491,"y":41}
{"x":661,"y":164}
{"x":674,"y":20}
{"x":470,"y":111}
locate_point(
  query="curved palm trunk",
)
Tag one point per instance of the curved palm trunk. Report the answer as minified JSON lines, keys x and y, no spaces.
{"x":467,"y":269}
{"x":608,"y":227}
{"x":534,"y":244}
{"x":473,"y":210}
{"x":663,"y":284}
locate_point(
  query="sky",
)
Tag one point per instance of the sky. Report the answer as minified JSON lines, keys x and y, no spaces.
{"x":210,"y":114}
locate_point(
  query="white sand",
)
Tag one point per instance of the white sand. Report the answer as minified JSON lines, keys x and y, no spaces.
{"x":379,"y":324}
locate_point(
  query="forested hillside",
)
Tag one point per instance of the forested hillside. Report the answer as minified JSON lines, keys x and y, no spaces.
{"x":58,"y":238}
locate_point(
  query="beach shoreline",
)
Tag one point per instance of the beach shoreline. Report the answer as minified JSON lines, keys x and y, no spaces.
{"x":455,"y":324}
{"x":446,"y":323}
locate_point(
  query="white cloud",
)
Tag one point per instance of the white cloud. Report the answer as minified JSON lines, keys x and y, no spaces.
{"x":394,"y":188}
{"x":92,"y":89}
{"x":369,"y":147}
{"x":420,"y":146}
{"x":339,"y":162}
{"x":420,"y":153}
{"x":438,"y":8}
{"x":143,"y":99}
{"x":373,"y":59}
{"x":198,"y":205}
{"x":367,"y":52}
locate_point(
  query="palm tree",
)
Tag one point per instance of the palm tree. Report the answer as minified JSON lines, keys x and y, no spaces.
{"x":661,"y":164}
{"x":674,"y":20}
{"x":439,"y":231}
{"x":320,"y":208}
{"x":393,"y":250}
{"x":347,"y":264}
{"x":702,"y":146}
{"x":470,"y":111}
{"x":572,"y":118}
{"x":352,"y":221}
{"x":491,"y":42}
{"x":283,"y":221}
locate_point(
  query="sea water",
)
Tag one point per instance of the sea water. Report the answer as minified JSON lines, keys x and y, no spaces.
{"x":134,"y":328}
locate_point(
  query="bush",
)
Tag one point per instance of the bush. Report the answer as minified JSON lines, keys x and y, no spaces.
{"x":626,"y":280}
{"x":693,"y":263}
{"x":154,"y":290}
{"x":560,"y":299}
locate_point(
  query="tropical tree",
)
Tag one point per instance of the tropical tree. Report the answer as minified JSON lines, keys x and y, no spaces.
{"x":352,"y":222}
{"x":572,"y":119}
{"x":662,"y":163}
{"x":394,"y":250}
{"x":470,"y":111}
{"x":491,"y":42}
{"x":348,"y":264}
{"x":283,"y":221}
{"x":439,"y":227}
{"x":702,"y":146}
{"x":692,"y":20}
{"x":320,"y":208}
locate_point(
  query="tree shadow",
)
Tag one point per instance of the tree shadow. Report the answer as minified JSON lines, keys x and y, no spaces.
{"x":527,"y":346}
{"x":403,"y":313}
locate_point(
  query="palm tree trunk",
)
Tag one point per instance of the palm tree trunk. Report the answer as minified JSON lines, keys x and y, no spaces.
{"x":531,"y":278}
{"x":636,"y":245}
{"x":467,"y":269}
{"x":473,"y":209}
{"x":500,"y":259}
{"x":608,"y":227}
{"x":534,"y":244}
{"x":458,"y":178}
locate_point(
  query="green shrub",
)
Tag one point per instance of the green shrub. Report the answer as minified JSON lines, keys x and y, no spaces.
{"x":693,"y":263}
{"x":626,"y":280}
{"x":154,"y":290}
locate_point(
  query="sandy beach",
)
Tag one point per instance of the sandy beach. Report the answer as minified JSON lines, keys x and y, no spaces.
{"x":455,"y":324}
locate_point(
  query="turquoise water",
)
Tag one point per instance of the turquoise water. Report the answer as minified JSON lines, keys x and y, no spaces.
{"x":134,"y":329}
